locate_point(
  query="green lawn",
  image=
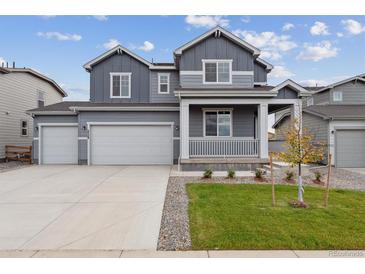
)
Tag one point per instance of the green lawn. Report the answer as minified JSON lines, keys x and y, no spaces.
{"x":227,"y":216}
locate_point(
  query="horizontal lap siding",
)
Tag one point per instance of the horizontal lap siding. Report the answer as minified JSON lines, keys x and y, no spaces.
{"x":196,"y":81}
{"x":155,"y":97}
{"x":352,"y":93}
{"x":19,"y":93}
{"x":243,"y":120}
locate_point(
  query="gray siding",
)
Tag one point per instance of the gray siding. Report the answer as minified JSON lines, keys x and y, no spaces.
{"x":196,"y":81}
{"x":321,"y":98}
{"x":164,"y":98}
{"x":352,"y":93}
{"x":243,"y":120}
{"x":260,"y":74}
{"x":216,"y":48}
{"x":100,"y":79}
{"x":316,"y":126}
{"x":287,"y":93}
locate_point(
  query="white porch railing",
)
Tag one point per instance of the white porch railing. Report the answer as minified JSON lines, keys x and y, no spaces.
{"x":223,"y":147}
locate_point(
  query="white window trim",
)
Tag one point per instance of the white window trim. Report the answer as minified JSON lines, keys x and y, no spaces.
{"x":120,"y":86}
{"x":217,"y":110}
{"x":21,"y":127}
{"x":204,"y":61}
{"x":310,"y":101}
{"x":168,"y":83}
{"x":335,"y":99}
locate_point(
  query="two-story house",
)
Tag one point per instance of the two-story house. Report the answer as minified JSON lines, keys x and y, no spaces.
{"x":209,"y":107}
{"x":335,"y":115}
{"x":20,"y":90}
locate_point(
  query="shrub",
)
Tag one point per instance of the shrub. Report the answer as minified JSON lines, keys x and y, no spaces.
{"x":289,"y":174}
{"x":318,"y":175}
{"x":208,"y":173}
{"x":231,"y":173}
{"x":258,"y":173}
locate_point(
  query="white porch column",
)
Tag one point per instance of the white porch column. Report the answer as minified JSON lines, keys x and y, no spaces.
{"x":184,"y":130}
{"x":296,"y":112}
{"x":263,"y":130}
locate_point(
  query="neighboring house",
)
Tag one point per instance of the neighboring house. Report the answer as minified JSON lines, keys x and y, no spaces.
{"x":209,"y":107}
{"x":20,"y":90}
{"x":336,"y":117}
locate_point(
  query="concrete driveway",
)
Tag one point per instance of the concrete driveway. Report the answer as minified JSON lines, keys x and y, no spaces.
{"x":360,"y":170}
{"x":82,"y":207}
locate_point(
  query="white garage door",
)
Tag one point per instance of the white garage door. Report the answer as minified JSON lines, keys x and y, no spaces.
{"x":59,"y":145}
{"x":130,"y":144}
{"x":350,"y":148}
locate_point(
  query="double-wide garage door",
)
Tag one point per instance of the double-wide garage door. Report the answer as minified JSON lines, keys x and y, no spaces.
{"x":350,"y":148}
{"x":130,"y":144}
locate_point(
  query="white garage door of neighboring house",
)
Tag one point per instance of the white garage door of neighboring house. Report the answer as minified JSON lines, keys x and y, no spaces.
{"x":130,"y":144}
{"x":350,"y":148}
{"x":59,"y":145}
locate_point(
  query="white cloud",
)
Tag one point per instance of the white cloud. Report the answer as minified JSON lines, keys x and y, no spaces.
{"x":273,"y":55}
{"x":353,"y":27}
{"x":280,"y":72}
{"x":76,"y":94}
{"x":101,"y":17}
{"x":318,"y":51}
{"x":288,"y":26}
{"x":47,"y":16}
{"x":319,"y":28}
{"x":60,"y":36}
{"x":339,"y":34}
{"x":270,"y":43}
{"x":313,"y":83}
{"x":147,"y":46}
{"x":2,"y":61}
{"x":206,"y":21}
{"x":246,"y":19}
{"x":111,"y":43}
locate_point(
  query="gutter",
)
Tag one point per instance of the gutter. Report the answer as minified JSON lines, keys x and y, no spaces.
{"x":75,"y":108}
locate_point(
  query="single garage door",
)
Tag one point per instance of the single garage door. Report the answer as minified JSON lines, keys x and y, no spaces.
{"x":350,"y":148}
{"x":59,"y":145}
{"x":130,"y":144}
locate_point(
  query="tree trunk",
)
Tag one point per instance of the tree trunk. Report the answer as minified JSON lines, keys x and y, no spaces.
{"x":300,"y":185}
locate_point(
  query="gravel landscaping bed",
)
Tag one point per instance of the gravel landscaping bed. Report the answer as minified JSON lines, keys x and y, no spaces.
{"x":174,"y":231}
{"x":4,"y":167}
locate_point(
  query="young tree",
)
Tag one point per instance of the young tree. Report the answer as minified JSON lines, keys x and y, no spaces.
{"x":301,"y":149}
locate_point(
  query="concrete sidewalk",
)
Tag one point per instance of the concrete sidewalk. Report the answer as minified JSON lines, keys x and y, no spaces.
{"x":183,"y":254}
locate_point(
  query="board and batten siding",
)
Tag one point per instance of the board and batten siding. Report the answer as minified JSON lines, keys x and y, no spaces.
{"x":260,"y":74}
{"x":216,"y":48}
{"x":19,"y":93}
{"x":100,"y":79}
{"x":243,"y":120}
{"x":196,"y":81}
{"x":155,"y":97}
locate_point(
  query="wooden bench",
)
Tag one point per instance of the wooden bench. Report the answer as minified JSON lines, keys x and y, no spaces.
{"x":18,"y":153}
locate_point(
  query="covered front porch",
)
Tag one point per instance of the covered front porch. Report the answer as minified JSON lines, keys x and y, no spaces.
{"x":220,"y":131}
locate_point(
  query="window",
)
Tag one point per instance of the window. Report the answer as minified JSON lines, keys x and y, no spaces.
{"x":337,"y":96}
{"x":217,"y":123}
{"x":40,"y":98}
{"x":120,"y":85}
{"x":310,"y":102}
{"x":163,"y":83}
{"x":24,"y":128}
{"x":217,"y":71}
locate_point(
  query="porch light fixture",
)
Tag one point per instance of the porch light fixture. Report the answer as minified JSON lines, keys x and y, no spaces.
{"x":83,"y":127}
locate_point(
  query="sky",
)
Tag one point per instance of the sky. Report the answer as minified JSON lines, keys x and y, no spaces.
{"x":312,"y":50}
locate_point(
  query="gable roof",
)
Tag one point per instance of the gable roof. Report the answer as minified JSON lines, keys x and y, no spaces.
{"x":360,"y":77}
{"x":334,"y":112}
{"x":293,"y":85}
{"x":38,"y":75}
{"x":282,"y":118}
{"x":267,"y":65}
{"x":218,"y":31}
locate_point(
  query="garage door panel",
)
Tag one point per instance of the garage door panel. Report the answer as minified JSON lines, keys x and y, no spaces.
{"x":131,"y":145}
{"x":59,"y":145}
{"x":350,"y":148}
